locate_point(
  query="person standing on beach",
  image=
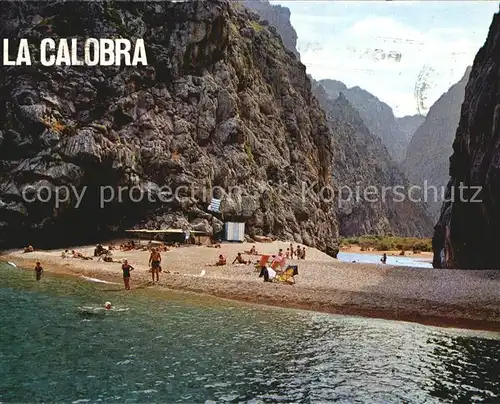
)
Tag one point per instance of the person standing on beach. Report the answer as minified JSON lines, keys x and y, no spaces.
{"x":126,"y":268}
{"x":292,"y":252}
{"x":154,"y":262}
{"x":38,"y":271}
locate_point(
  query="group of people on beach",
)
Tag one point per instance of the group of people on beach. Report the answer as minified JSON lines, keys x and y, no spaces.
{"x":299,"y":253}
{"x":155,"y":259}
{"x":154,"y":264}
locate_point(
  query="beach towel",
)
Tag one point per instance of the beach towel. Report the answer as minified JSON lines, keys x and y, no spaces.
{"x":214,"y":205}
{"x":278,"y":262}
{"x":271,"y":272}
{"x":287,"y":276}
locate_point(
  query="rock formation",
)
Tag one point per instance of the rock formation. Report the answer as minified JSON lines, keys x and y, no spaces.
{"x":278,"y":17}
{"x":362,"y":161}
{"x":360,"y":158}
{"x":377,"y":116}
{"x":467,"y":235}
{"x":427,"y":157}
{"x":221,"y":104}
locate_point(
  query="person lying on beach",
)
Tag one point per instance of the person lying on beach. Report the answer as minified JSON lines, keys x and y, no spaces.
{"x":108,"y":257}
{"x":154,"y":262}
{"x":214,"y":246}
{"x":28,"y":249}
{"x":38,"y":271}
{"x":239,"y":259}
{"x":129,"y":245}
{"x":77,"y":254}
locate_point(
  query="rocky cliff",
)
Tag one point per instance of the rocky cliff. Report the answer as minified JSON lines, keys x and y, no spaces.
{"x":427,"y":157}
{"x":408,"y":125}
{"x":278,"y":17}
{"x":377,"y":116}
{"x":467,"y":235}
{"x":221,"y":104}
{"x":362,"y":162}
{"x":360,"y":159}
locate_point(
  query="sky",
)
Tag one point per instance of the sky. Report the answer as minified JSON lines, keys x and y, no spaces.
{"x":390,"y":47}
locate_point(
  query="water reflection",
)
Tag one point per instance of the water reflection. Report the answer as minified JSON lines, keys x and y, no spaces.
{"x":360,"y":360}
{"x":469,"y":369}
{"x":191,"y":350}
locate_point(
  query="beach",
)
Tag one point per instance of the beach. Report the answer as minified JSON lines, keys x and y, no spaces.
{"x":395,"y":253}
{"x":447,"y":298}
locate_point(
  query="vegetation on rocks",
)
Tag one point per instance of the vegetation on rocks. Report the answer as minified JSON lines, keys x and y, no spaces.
{"x":388,"y":243}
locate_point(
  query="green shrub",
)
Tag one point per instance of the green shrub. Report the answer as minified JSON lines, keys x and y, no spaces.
{"x":387,"y":243}
{"x":256,"y":26}
{"x":248,"y":151}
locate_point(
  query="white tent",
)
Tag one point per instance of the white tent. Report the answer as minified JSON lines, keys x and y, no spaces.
{"x":235,"y":231}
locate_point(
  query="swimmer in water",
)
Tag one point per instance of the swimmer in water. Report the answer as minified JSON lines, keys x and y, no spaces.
{"x":107,"y":305}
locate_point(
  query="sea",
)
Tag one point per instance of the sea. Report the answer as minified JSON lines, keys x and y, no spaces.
{"x":405,"y":261}
{"x":58,"y":345}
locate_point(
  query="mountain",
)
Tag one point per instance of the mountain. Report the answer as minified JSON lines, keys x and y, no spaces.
{"x":362,"y":161}
{"x":408,"y":125}
{"x":427,"y":157}
{"x":466,"y":235}
{"x":377,"y":116}
{"x":221,"y":104}
{"x":278,"y":17}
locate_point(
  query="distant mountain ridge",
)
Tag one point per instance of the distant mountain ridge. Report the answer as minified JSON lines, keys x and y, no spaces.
{"x":427,"y":157}
{"x":362,"y":160}
{"x":360,"y":157}
{"x":378,"y":117}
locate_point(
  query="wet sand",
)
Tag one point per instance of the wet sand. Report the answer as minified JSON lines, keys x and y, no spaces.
{"x":448,"y":298}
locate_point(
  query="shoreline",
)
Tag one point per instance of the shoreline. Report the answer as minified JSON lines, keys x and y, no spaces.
{"x":427,"y":256}
{"x":323,"y":285}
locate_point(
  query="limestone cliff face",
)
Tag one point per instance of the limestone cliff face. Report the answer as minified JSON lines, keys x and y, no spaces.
{"x":427,"y":157}
{"x":278,"y":17}
{"x":376,"y":114}
{"x":361,"y":161}
{"x":222,"y":103}
{"x":467,"y":232}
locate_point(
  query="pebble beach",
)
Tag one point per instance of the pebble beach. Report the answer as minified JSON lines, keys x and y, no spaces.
{"x":449,"y":298}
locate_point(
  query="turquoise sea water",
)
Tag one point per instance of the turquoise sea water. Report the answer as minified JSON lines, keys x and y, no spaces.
{"x":391,"y":260}
{"x":171,"y":348}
